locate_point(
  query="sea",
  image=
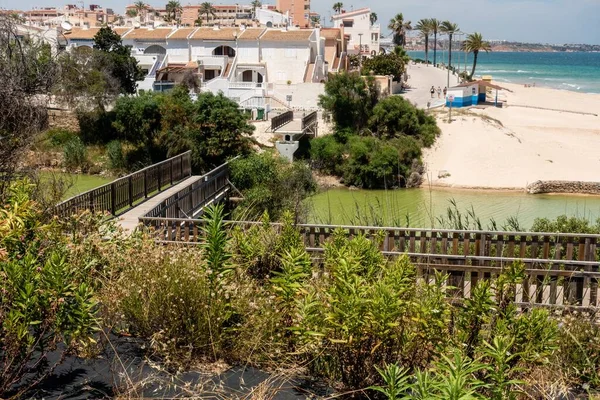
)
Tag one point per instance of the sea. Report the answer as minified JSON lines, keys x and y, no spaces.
{"x":575,"y":71}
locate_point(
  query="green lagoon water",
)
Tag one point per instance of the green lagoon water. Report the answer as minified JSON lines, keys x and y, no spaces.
{"x":422,"y":207}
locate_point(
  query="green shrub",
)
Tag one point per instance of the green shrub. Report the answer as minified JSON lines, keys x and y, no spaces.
{"x":46,"y":303}
{"x":272,"y":184}
{"x":58,"y":137}
{"x":75,"y":154}
{"x":116,"y":159}
{"x":96,"y":126}
{"x":326,"y":154}
{"x":375,"y":163}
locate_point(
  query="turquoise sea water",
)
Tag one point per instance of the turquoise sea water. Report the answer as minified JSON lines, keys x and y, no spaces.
{"x":578,"y":72}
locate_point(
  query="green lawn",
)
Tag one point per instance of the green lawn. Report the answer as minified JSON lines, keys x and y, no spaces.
{"x":78,"y":183}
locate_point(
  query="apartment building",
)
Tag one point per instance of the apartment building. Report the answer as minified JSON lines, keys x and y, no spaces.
{"x":298,"y":11}
{"x":363,"y":38}
{"x":225,"y":15}
{"x":248,"y":65}
{"x":94,"y":15}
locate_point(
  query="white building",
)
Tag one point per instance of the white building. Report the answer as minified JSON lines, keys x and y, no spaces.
{"x":246,"y":64}
{"x":362,"y":37}
{"x":271,"y":18}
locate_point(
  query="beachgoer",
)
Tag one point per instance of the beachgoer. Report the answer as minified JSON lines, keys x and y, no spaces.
{"x":445,"y":91}
{"x":439,"y":91}
{"x":432,"y":91}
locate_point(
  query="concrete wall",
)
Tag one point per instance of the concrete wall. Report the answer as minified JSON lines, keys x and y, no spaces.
{"x":178,"y":51}
{"x":286,"y":61}
{"x":563,"y":187}
{"x":304,"y":95}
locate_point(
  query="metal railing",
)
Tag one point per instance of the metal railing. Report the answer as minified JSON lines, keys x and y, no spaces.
{"x":122,"y":194}
{"x":309,"y":120}
{"x":282,"y":119}
{"x":208,"y":189}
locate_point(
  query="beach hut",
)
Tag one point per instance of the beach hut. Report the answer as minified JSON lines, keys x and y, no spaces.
{"x":472,"y":93}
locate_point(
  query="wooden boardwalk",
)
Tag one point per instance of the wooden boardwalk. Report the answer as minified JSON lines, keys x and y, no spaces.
{"x":130,"y":220}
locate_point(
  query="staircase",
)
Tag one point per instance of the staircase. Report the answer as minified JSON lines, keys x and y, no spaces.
{"x":308,"y":75}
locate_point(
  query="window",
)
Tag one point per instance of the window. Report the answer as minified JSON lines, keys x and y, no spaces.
{"x":348,"y":24}
{"x":374,"y":37}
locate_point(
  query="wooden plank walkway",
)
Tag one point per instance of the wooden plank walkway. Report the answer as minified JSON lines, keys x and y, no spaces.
{"x":294,"y":127}
{"x":130,"y":220}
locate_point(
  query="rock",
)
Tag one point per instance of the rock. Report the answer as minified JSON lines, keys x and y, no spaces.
{"x":564,"y":187}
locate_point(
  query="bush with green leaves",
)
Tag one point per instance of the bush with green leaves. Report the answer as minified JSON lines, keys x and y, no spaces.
{"x":47,"y":304}
{"x":75,"y":154}
{"x":116,"y":158}
{"x":272,"y":184}
{"x":58,"y":137}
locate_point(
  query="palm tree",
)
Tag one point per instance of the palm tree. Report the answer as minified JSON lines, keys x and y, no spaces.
{"x":173,"y":10}
{"x":399,"y":27}
{"x":132,"y":13}
{"x":141,"y":8}
{"x":424,"y":27}
{"x":255,"y":4}
{"x":434,"y":25}
{"x":373,"y":18}
{"x":207,"y":9}
{"x":474,"y":44}
{"x":450,"y":29}
{"x":337,"y":7}
{"x":314,"y":20}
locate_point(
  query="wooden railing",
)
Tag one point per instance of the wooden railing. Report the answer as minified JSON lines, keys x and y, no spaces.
{"x":122,"y":194}
{"x":309,"y":120}
{"x":562,"y":270}
{"x":282,"y":119}
{"x":209,"y":188}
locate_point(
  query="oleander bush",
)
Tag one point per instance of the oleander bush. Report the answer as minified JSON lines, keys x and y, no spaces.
{"x":252,"y":294}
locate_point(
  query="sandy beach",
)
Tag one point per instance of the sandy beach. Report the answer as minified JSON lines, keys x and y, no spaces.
{"x":512,"y":146}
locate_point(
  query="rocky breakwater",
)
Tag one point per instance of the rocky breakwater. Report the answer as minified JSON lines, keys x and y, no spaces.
{"x":538,"y":187}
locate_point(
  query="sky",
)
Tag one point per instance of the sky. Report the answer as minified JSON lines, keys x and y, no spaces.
{"x":538,"y":21}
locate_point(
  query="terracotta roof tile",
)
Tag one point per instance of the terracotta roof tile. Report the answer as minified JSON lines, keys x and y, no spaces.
{"x":331,"y":33}
{"x":181,"y":33}
{"x":121,"y":31}
{"x":285,"y":36}
{"x":251,"y":34}
{"x":216,"y":34}
{"x":79,"y":33}
{"x":150,"y":34}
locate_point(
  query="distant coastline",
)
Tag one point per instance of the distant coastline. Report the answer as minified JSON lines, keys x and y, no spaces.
{"x":526,"y":48}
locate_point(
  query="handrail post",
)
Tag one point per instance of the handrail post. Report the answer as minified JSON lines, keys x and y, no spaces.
{"x":145,"y":185}
{"x":113,"y":199}
{"x":159,"y":174}
{"x":130,"y":191}
{"x":171,"y":171}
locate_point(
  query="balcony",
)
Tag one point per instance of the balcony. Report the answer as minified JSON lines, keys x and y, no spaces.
{"x":213,"y":61}
{"x":245,"y":85}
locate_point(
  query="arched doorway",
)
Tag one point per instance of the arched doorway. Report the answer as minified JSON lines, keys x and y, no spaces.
{"x":224,"y":51}
{"x":155,"y":49}
{"x":252,"y":76}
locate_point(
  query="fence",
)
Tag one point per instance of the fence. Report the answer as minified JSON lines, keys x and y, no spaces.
{"x":122,"y":194}
{"x":562,"y":270}
{"x":209,"y":188}
{"x":282,"y":119}
{"x":309,"y":120}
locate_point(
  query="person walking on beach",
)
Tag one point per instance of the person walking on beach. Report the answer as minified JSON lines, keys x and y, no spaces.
{"x":432,"y":91}
{"x":439,"y":91}
{"x":445,"y":91}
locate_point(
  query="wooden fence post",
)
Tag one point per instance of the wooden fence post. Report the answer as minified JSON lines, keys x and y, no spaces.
{"x":145,"y":184}
{"x":171,"y":171}
{"x":113,"y":199}
{"x":130,"y":191}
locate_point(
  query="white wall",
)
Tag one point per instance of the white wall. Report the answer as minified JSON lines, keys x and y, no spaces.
{"x":248,"y":52}
{"x":178,"y":51}
{"x":362,"y":24}
{"x":275,"y":18}
{"x":285,"y":61}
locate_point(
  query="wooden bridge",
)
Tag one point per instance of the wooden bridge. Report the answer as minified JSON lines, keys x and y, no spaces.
{"x":166,"y":189}
{"x":562,"y":270}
